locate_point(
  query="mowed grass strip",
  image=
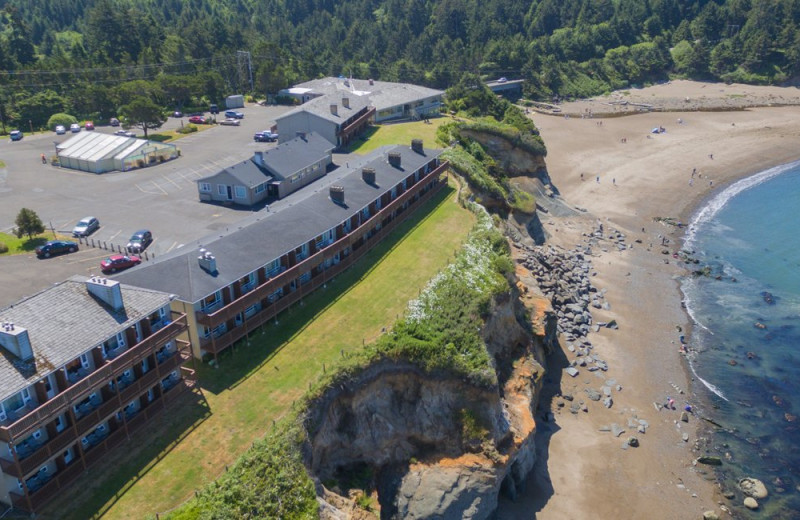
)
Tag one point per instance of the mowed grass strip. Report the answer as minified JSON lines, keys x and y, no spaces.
{"x":398,"y":133}
{"x":259,"y":382}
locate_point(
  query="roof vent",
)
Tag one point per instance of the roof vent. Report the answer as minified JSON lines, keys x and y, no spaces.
{"x":346,"y":102}
{"x":394,"y":159}
{"x":108,"y":291}
{"x":15,"y":339}
{"x":368,"y":174}
{"x":207,"y":261}
{"x":416,"y":145}
{"x":337,"y":194}
{"x":334,"y":109}
{"x":301,"y":135}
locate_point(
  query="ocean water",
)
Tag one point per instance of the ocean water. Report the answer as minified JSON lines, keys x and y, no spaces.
{"x":745,"y":339}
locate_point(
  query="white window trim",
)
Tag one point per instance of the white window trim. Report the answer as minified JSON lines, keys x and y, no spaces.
{"x":205,"y":187}
{"x":222,"y":190}
{"x":239,"y":192}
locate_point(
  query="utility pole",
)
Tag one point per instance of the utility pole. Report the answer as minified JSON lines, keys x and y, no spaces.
{"x":245,"y":68}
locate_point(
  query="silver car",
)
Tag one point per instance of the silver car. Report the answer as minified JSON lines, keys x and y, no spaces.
{"x":86,"y":227}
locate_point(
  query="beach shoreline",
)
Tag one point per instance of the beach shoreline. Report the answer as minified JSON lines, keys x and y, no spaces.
{"x":625,"y":177}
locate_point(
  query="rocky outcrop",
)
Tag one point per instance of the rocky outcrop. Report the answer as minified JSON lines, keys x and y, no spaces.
{"x":515,"y":161}
{"x":432,"y":444}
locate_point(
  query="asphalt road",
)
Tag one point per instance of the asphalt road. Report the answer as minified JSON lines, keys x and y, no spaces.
{"x":161,"y":198}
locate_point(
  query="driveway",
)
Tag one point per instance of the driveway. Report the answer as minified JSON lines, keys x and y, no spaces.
{"x":160,"y":198}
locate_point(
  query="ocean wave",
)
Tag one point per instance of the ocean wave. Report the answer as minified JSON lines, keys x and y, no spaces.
{"x":707,"y":212}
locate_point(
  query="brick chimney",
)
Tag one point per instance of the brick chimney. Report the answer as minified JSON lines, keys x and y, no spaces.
{"x":346,"y":102}
{"x":395,"y":159}
{"x":334,"y":109}
{"x":416,"y":145}
{"x":368,"y":174}
{"x":337,"y":194}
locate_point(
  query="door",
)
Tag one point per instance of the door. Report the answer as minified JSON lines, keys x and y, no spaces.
{"x":230,"y":192}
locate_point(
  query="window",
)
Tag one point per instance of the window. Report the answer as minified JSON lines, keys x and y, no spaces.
{"x":260,"y":188}
{"x":210,"y":301}
{"x":222,"y":189}
{"x":240,"y":192}
{"x":205,"y":187}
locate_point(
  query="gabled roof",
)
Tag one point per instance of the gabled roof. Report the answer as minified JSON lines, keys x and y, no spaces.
{"x":294,"y":155}
{"x":382,"y":94}
{"x":246,"y":173}
{"x":57,"y":320}
{"x":268,"y":235}
{"x":321,"y":107}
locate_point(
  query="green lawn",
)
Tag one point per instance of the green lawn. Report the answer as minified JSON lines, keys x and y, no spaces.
{"x":398,"y":133}
{"x":259,"y":382}
{"x":167,"y":136}
{"x":24,"y":245}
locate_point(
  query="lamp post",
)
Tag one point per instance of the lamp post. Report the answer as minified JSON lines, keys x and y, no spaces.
{"x":55,"y":144}
{"x":30,"y":122}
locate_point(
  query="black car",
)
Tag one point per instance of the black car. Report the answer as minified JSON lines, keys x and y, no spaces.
{"x":56,"y":247}
{"x":214,"y":109}
{"x":139,"y":241}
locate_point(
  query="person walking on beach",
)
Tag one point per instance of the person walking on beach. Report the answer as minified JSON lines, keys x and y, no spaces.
{"x":44,"y":159}
{"x":598,"y":179}
{"x":614,"y":181}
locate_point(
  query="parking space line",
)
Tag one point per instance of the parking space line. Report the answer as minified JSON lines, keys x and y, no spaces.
{"x":174,"y":244}
{"x":173,"y":182}
{"x":115,"y":235}
{"x":163,"y":191}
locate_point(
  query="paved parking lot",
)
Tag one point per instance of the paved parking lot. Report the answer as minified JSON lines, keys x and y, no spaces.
{"x":160,"y":198}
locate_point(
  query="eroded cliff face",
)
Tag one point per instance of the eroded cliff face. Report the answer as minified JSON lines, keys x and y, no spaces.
{"x":430,"y":444}
{"x":513,"y":160}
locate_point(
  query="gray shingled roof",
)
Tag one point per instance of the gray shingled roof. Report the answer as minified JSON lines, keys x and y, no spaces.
{"x":63,"y":322}
{"x":321,"y":107}
{"x":268,"y":235}
{"x":290,"y":157}
{"x":246,"y":172}
{"x":382,"y":94}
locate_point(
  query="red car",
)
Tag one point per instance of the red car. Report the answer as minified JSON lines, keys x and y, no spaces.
{"x":115,"y":263}
{"x":197,"y":120}
{"x":89,"y":125}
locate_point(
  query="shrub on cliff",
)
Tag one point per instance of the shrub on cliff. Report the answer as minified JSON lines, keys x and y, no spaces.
{"x":268,"y":481}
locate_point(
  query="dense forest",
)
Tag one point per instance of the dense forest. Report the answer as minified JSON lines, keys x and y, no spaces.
{"x":89,"y":57}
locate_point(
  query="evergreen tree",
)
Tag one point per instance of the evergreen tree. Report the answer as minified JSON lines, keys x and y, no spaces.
{"x":28,"y":223}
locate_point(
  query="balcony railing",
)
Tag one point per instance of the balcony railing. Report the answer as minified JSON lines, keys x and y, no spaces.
{"x":36,"y":418}
{"x":214,"y":345}
{"x":101,"y":444}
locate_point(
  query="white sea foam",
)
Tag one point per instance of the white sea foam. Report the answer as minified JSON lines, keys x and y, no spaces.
{"x":721,"y":199}
{"x":708,"y":385}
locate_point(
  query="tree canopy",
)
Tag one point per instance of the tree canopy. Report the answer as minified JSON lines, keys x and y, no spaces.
{"x":144,"y":113}
{"x":87,"y":57}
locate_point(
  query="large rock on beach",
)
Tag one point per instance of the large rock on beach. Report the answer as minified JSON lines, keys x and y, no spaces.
{"x":750,"y":503}
{"x":753,"y":487}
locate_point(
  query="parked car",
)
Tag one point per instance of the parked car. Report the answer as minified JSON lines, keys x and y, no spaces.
{"x":139,"y":241}
{"x":125,"y":133}
{"x":265,"y":136}
{"x":230,"y":122}
{"x":60,"y":130}
{"x":85,"y":227}
{"x":89,"y":125}
{"x":115,"y":263}
{"x":177,"y":113}
{"x":113,"y":121}
{"x":56,"y":247}
{"x":74,"y":128}
{"x":234,"y":114}
{"x":197,"y":120}
{"x":214,"y":109}
{"x":16,"y":135}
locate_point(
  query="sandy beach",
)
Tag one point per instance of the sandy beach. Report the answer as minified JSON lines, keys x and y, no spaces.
{"x":625,"y":177}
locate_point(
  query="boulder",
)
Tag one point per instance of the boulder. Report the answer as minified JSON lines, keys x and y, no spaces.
{"x":594,"y":395}
{"x":709,"y":460}
{"x":571,"y":371}
{"x":633,"y":442}
{"x":753,"y":487}
{"x":710,"y":515}
{"x":750,"y":503}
